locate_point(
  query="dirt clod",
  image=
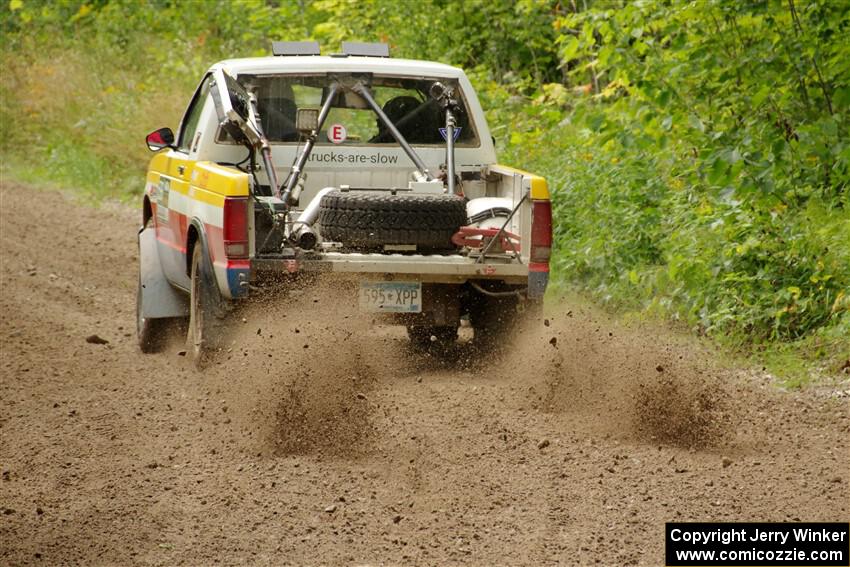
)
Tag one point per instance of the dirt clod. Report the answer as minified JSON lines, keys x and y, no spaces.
{"x":96,"y":340}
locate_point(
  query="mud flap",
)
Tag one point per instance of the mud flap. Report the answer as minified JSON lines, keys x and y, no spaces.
{"x":159,"y":298}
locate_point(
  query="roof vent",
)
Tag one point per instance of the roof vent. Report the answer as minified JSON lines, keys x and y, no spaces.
{"x":295,"y":48}
{"x":357,"y":49}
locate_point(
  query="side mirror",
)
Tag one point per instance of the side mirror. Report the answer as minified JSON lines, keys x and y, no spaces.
{"x":160,"y":139}
{"x":307,"y":120}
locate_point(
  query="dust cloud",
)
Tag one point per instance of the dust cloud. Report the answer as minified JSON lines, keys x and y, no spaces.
{"x":628,"y":381}
{"x":302,"y":363}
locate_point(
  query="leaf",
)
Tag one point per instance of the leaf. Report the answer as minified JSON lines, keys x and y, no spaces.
{"x":841,"y":98}
{"x":829,"y":127}
{"x":605,"y":54}
{"x":84,"y":10}
{"x":761,"y":95}
{"x":570,"y":48}
{"x":15,"y":5}
{"x":587,"y":34}
{"x":717,"y":173}
{"x":695,"y":123}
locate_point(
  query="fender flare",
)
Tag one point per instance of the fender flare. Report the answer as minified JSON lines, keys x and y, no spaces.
{"x":196,"y":228}
{"x":207,"y":267}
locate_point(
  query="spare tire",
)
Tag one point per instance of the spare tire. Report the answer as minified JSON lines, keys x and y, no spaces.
{"x":371,"y":220}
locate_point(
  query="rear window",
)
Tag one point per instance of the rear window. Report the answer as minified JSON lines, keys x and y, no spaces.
{"x":406,"y":101}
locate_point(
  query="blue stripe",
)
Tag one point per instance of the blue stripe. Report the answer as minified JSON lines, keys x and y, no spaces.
{"x":233,"y":274}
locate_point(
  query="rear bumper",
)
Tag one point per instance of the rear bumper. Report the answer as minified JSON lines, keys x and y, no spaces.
{"x":425,"y":268}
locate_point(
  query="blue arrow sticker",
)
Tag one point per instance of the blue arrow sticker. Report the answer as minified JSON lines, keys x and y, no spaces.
{"x":456,"y":136}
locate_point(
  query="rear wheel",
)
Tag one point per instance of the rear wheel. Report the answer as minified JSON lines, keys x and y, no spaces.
{"x":206,"y":310}
{"x":493,"y":319}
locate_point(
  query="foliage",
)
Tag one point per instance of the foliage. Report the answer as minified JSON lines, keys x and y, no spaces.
{"x":701,"y":157}
{"x":697,"y":151}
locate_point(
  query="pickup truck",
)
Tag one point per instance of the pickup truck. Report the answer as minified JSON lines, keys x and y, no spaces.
{"x":380,"y":171}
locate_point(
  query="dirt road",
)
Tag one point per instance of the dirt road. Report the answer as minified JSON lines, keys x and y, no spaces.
{"x":321,"y":439}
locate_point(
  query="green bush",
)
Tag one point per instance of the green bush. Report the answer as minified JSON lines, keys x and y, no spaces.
{"x":700,"y":159}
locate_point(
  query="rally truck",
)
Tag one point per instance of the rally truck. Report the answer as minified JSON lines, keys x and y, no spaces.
{"x":377,"y":170}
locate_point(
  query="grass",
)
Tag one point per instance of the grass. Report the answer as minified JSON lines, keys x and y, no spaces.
{"x":816,"y":359}
{"x":77,"y":118}
{"x":67,"y":166}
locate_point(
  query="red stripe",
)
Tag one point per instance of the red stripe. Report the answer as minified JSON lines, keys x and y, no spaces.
{"x":538,"y":267}
{"x":177,"y":239}
{"x":215,"y":242}
{"x":238,"y":264}
{"x":165,"y":232}
{"x":171,"y":245}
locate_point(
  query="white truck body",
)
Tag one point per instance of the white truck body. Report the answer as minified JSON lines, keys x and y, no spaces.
{"x":193,"y":183}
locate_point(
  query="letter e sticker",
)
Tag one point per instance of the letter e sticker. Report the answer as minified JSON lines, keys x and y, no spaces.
{"x":337,"y":133}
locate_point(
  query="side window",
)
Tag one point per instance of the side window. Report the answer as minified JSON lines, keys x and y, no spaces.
{"x":193,"y":115}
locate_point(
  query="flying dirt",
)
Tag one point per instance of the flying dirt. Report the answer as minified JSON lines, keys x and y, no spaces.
{"x":320,"y":436}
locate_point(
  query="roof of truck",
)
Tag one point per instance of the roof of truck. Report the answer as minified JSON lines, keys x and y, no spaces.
{"x":338,"y":64}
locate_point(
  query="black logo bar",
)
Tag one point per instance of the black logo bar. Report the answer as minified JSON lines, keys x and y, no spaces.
{"x":761,"y":543}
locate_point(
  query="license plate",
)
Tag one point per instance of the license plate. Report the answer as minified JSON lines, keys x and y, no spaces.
{"x":391,"y":297}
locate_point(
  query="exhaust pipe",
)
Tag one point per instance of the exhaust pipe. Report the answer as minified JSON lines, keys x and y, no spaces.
{"x":303,"y":234}
{"x":304,"y":237}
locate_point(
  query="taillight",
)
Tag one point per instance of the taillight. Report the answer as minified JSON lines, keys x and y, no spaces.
{"x":236,"y":227}
{"x":541,"y":231}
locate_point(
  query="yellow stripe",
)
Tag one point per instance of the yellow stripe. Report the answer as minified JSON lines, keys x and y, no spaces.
{"x":174,"y":168}
{"x":206,"y":197}
{"x":159,"y":163}
{"x":539,"y":186}
{"x":225,"y":181}
{"x":198,"y":194}
{"x":211,"y":183}
{"x":203,"y":181}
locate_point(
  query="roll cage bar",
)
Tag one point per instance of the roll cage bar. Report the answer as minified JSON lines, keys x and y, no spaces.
{"x":237,"y":113}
